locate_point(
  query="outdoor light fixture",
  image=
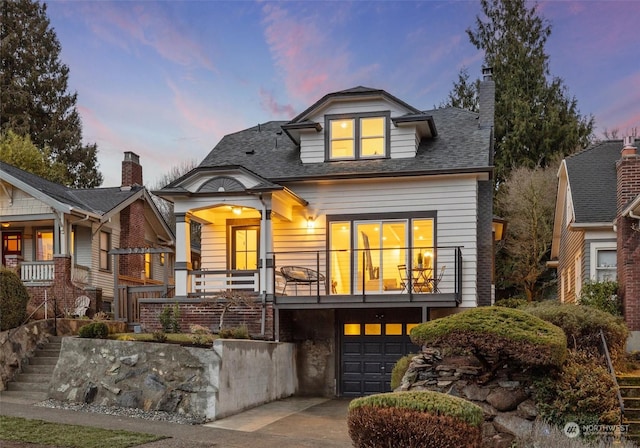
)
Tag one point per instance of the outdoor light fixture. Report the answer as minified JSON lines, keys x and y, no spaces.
{"x":311,"y":222}
{"x":236,"y":210}
{"x":5,"y":224}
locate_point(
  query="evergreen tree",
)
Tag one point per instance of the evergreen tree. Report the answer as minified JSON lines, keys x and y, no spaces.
{"x":464,"y":94}
{"x":34,"y":100}
{"x":535,"y":118}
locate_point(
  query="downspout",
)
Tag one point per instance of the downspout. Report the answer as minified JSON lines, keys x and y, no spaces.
{"x":633,"y":215}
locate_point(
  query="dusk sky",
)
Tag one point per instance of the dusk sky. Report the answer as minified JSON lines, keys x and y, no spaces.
{"x":167,"y":80}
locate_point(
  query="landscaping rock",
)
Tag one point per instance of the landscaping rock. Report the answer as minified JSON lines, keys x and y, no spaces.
{"x":506,"y":399}
{"x":527,"y":409}
{"x":474,"y":392}
{"x":512,"y":424}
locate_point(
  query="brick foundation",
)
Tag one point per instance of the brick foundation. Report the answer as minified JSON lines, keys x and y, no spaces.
{"x":208,"y":314}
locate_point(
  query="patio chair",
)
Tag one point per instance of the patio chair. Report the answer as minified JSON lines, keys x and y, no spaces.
{"x":405,"y":278}
{"x":298,"y":275}
{"x":437,"y":280}
{"x":81,"y":306}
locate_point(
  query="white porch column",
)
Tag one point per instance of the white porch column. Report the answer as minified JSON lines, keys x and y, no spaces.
{"x":183,"y":254}
{"x":266,"y":251}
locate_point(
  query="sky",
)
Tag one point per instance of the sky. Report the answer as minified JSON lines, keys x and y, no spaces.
{"x":168,"y":79}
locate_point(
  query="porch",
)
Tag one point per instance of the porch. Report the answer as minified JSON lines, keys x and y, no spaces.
{"x":345,"y":278}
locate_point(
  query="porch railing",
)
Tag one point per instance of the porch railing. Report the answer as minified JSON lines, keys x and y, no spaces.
{"x":206,"y":282}
{"x":81,"y":274}
{"x":37,"y":271}
{"x":375,"y":271}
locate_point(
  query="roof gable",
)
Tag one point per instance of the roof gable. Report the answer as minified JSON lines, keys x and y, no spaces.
{"x":592,"y":180}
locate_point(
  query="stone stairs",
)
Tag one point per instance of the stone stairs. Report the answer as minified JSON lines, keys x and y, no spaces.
{"x":32,"y":384}
{"x":630,"y":391}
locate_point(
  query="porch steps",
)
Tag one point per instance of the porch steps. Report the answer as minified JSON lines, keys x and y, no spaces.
{"x":32,"y":384}
{"x":630,"y":391}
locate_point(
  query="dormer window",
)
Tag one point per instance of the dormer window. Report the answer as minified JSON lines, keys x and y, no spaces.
{"x":358,"y":136}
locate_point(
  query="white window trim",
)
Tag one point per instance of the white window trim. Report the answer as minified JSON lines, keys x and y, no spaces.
{"x":594,"y":248}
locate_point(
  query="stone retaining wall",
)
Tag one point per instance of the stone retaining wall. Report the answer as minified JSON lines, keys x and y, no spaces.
{"x":203,"y":383}
{"x":508,"y":409}
{"x":18,"y":344}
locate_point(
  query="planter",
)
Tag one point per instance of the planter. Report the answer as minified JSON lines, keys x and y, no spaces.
{"x":70,"y":327}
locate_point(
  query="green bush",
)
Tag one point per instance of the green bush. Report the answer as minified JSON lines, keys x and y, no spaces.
{"x":423,"y":419}
{"x":512,"y":302}
{"x":159,"y":336}
{"x":582,"y":325}
{"x":602,"y":296}
{"x":502,"y":334}
{"x":399,"y":369}
{"x":240,"y":332}
{"x":94,"y":330}
{"x":170,"y":318}
{"x":13,"y":300}
{"x":583,"y":391}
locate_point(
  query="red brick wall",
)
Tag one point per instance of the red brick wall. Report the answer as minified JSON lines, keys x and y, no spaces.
{"x":131,"y":170}
{"x":62,"y":292}
{"x":628,"y":240}
{"x":132,"y":235}
{"x":207,"y":314}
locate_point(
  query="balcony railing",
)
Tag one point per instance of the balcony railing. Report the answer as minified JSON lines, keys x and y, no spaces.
{"x":373,"y":272}
{"x":37,"y":271}
{"x":206,"y":282}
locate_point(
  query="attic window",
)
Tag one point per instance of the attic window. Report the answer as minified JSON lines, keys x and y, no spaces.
{"x":361,"y":136}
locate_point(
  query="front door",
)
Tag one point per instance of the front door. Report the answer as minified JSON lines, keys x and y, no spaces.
{"x":244,"y":247}
{"x":11,"y":245}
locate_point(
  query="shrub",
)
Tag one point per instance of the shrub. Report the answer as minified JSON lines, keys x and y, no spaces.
{"x":602,"y":296}
{"x":583,"y":391}
{"x":200,"y":335}
{"x":241,"y":332}
{"x":422,"y":419}
{"x":582,"y":325}
{"x":159,"y":336}
{"x":13,"y":300}
{"x":94,"y":330}
{"x":170,"y":318}
{"x":512,"y":302}
{"x":502,"y":334}
{"x":399,"y":369}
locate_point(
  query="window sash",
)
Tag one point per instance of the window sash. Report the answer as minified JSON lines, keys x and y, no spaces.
{"x":105,"y":246}
{"x":360,"y":136}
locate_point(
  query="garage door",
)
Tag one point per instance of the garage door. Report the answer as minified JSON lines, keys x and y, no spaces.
{"x":368,"y":353}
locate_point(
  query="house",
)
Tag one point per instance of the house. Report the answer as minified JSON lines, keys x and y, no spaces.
{"x":351,"y":223}
{"x":63,"y":242}
{"x":596,"y":230}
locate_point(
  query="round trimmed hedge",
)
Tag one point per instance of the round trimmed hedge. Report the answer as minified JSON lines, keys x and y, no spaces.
{"x":13,"y":300}
{"x":496,"y":331}
{"x":415,"y":419}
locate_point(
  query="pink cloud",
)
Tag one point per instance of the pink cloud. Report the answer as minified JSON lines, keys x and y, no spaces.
{"x":147,"y":25}
{"x":269,"y":103}
{"x":310,"y":63}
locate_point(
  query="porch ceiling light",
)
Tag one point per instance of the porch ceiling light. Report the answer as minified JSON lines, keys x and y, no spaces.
{"x":5,"y":225}
{"x":236,"y":210}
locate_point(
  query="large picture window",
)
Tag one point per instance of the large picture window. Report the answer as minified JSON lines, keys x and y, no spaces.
{"x":362,"y":136}
{"x":44,"y":245}
{"x":365,"y":255}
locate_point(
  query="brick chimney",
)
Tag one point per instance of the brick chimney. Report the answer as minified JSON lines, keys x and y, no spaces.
{"x":487,"y":98}
{"x":132,"y":218}
{"x":131,"y":170}
{"x":628,"y":240}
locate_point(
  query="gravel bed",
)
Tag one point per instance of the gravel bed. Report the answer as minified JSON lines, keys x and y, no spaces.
{"x":160,"y":416}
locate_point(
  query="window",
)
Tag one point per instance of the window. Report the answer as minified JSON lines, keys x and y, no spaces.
{"x":148,"y":265}
{"x":44,"y":245}
{"x":578,"y":273}
{"x":603,"y":262}
{"x":245,"y":246}
{"x":365,"y":255}
{"x":105,"y":246}
{"x":361,"y":136}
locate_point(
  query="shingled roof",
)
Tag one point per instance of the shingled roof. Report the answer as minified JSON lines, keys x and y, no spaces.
{"x":98,"y":201}
{"x":461,"y":146}
{"x":592,"y":179}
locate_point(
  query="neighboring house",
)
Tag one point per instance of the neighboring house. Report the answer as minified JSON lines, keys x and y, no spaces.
{"x":358,"y":219}
{"x":596,"y":230}
{"x":59,"y":239}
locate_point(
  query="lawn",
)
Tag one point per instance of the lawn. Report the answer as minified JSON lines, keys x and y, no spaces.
{"x":173,"y":338}
{"x":71,"y":436}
